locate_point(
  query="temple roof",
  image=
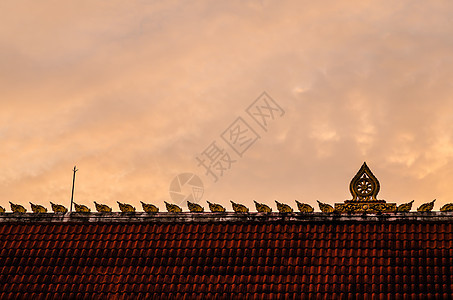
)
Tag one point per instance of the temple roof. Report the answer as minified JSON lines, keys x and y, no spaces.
{"x":166,"y":217}
{"x":364,"y":247}
{"x":252,"y":255}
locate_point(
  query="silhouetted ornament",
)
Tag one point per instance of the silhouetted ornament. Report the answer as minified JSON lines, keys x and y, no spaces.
{"x":325,"y":208}
{"x":149,"y":208}
{"x":38,"y":209}
{"x":126,"y":208}
{"x":426,"y":207}
{"x":239,"y":208}
{"x":58,"y":208}
{"x":304,"y":208}
{"x":102,"y":207}
{"x":194,"y":207}
{"x":405,"y":207}
{"x":283,"y":208}
{"x":260,"y":207}
{"x":216,"y":207}
{"x":2,"y":210}
{"x":17,"y":208}
{"x":364,"y":188}
{"x":80,"y":208}
{"x":173,"y":208}
{"x":447,"y":207}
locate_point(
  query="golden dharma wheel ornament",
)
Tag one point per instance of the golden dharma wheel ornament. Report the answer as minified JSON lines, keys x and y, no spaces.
{"x":364,"y":188}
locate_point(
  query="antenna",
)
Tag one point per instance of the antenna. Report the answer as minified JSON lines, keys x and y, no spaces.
{"x":73,"y":184}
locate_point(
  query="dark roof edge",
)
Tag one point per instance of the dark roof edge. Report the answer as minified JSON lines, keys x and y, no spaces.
{"x":223,"y":217}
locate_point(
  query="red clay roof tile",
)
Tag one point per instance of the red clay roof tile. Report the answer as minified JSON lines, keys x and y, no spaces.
{"x":209,"y":259}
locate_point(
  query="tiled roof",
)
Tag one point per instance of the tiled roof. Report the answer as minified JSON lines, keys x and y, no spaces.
{"x":255,"y":256}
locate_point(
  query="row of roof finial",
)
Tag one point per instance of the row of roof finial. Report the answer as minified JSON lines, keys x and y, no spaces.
{"x":194,"y":207}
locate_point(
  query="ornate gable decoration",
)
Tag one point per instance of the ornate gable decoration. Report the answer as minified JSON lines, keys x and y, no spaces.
{"x":364,"y":189}
{"x":364,"y":186}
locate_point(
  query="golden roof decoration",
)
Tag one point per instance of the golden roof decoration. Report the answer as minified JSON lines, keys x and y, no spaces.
{"x":126,"y":208}
{"x":58,"y":208}
{"x":102,"y":207}
{"x":38,"y":209}
{"x":149,"y":208}
{"x":17,"y":208}
{"x":304,"y":208}
{"x":447,"y":207}
{"x":283,"y":208}
{"x":364,"y":188}
{"x":239,"y":208}
{"x":260,"y":207}
{"x":216,"y":207}
{"x":80,"y":208}
{"x":426,"y":207}
{"x":406,"y":207}
{"x":324,"y":207}
{"x":173,"y":208}
{"x":194,"y":207}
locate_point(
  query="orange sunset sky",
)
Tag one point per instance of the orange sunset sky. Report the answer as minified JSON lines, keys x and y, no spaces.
{"x":133,"y":91}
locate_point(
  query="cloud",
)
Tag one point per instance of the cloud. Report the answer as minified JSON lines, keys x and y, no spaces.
{"x":132,"y":92}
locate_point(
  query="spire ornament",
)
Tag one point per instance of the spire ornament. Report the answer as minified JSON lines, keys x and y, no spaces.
{"x":364,"y":188}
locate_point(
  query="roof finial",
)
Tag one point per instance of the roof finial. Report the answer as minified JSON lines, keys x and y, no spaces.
{"x":364,"y":188}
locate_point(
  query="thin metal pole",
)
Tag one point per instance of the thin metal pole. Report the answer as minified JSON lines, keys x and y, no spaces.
{"x":73,"y":184}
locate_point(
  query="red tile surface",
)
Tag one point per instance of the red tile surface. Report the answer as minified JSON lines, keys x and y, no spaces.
{"x":376,"y":260}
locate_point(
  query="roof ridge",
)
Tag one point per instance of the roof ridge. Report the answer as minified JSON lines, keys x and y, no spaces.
{"x":167,"y":217}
